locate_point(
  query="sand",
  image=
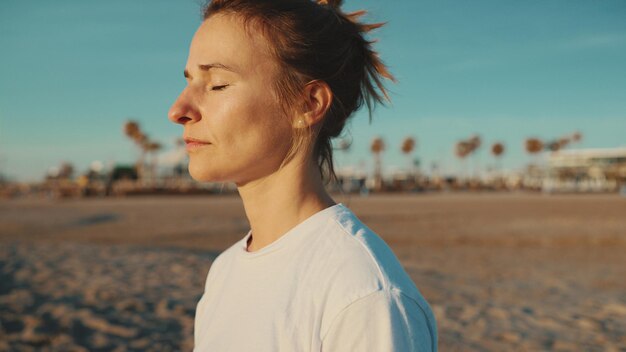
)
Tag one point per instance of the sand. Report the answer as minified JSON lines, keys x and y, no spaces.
{"x":501,"y":271}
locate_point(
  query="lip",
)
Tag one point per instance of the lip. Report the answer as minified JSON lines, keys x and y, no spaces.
{"x":193,"y":143}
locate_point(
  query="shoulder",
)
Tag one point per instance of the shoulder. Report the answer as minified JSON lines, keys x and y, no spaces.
{"x":385,"y":320}
{"x":358,"y":244}
{"x":359,"y":265}
{"x":346,"y":262}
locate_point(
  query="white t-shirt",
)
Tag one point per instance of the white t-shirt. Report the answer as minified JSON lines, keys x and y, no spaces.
{"x":328,"y":284}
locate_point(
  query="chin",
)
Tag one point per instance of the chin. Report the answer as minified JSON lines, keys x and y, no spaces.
{"x":206,"y":174}
{"x":241,"y":173}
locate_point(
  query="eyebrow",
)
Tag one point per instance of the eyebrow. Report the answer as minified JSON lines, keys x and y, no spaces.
{"x":208,"y":67}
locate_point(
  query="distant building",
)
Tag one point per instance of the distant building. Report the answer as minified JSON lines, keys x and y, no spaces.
{"x":585,"y":170}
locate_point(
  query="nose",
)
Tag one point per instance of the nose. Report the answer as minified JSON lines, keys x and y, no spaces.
{"x":183,"y":110}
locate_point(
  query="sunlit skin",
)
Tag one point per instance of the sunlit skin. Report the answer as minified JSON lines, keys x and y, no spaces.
{"x":242,"y":133}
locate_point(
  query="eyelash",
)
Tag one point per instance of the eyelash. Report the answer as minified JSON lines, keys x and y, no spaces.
{"x":220,"y":87}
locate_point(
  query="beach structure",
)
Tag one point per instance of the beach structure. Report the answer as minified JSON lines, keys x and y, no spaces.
{"x":585,"y":170}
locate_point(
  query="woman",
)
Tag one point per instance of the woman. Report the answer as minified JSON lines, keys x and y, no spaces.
{"x":269,"y":83}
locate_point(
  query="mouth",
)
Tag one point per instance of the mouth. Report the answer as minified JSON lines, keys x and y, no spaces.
{"x":192,"y":143}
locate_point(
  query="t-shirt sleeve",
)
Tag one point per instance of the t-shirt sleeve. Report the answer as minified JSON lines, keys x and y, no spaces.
{"x":382,"y":321}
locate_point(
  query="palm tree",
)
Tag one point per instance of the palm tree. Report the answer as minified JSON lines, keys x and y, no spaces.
{"x":142,"y":140}
{"x":474,"y":144}
{"x":575,"y":137}
{"x":180,"y":164}
{"x":554,"y":145}
{"x":533,"y":145}
{"x":497,"y":149}
{"x":408,"y":145}
{"x":66,"y":171}
{"x":152,"y":148}
{"x":462,"y":149}
{"x":377,"y":147}
{"x":133,"y":131}
{"x":146,"y":147}
{"x":564,"y":142}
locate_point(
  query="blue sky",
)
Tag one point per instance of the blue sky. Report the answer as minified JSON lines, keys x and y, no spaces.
{"x":73,"y":71}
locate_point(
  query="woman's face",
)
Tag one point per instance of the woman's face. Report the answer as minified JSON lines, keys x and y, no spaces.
{"x":234,"y":127}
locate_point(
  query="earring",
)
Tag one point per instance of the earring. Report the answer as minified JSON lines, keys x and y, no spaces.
{"x":301,"y":122}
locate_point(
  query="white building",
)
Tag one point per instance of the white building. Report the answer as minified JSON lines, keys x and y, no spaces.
{"x":585,"y":170}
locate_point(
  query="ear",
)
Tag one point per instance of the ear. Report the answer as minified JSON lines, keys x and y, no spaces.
{"x":317,"y":100}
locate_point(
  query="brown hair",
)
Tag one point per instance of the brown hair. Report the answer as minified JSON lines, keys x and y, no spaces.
{"x":317,"y":41}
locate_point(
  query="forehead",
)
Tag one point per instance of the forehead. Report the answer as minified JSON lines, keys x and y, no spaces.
{"x":224,"y":39}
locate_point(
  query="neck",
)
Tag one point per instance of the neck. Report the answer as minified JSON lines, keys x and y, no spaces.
{"x":280,"y":201}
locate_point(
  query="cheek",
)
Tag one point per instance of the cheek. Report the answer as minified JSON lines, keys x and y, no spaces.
{"x":251,"y":119}
{"x":251,"y":137}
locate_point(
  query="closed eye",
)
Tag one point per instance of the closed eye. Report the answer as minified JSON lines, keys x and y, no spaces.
{"x":220,"y":87}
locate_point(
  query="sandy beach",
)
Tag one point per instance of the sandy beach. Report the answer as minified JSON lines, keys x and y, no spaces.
{"x":503,"y":272}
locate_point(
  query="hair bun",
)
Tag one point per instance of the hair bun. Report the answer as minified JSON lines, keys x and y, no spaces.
{"x":335,"y":4}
